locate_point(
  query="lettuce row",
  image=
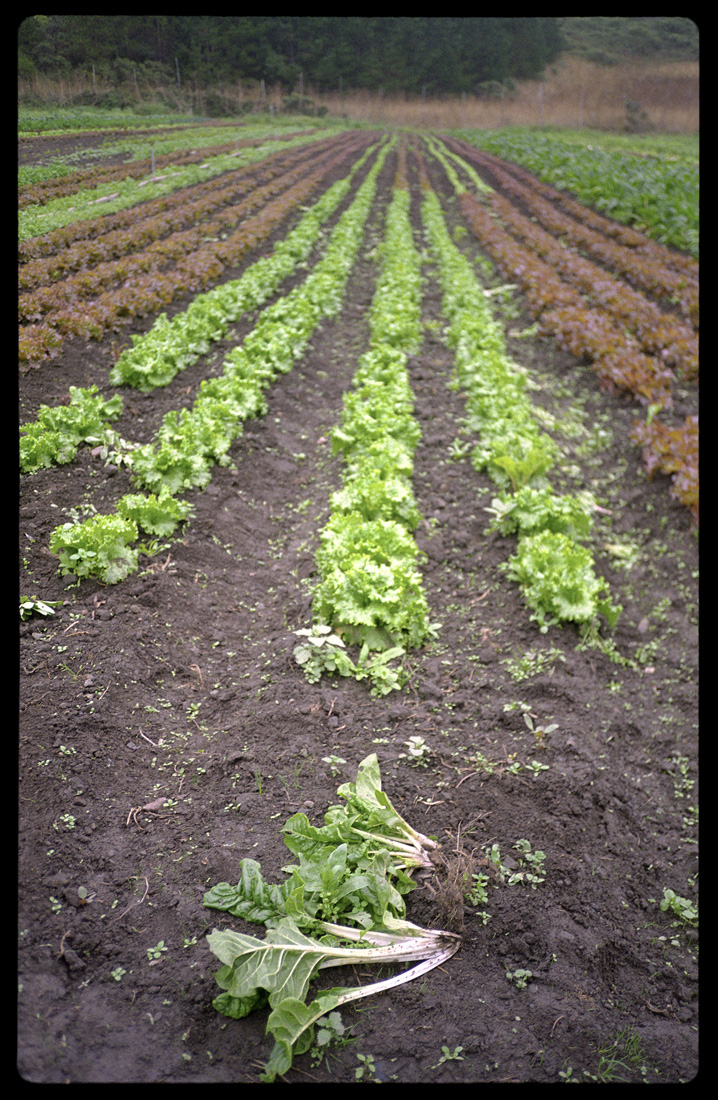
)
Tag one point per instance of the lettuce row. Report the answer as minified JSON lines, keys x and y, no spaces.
{"x":55,"y":435}
{"x":370,"y":590}
{"x":556,"y":573}
{"x":446,"y":156}
{"x":40,"y":219}
{"x":170,"y":346}
{"x":190,"y":441}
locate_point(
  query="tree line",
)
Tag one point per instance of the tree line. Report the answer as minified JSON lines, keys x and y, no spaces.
{"x":412,"y":54}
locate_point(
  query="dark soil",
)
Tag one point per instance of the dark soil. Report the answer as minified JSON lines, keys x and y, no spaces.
{"x":179,"y":684}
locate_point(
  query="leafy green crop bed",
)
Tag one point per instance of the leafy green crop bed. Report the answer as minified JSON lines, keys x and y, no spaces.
{"x":648,"y":182}
{"x":347,"y":552}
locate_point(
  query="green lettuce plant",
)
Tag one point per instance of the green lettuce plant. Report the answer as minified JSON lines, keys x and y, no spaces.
{"x":531,"y":510}
{"x":56,"y":433}
{"x":173,"y":465}
{"x":155,"y":515}
{"x":100,"y":547}
{"x":366,"y":493}
{"x":376,"y":409}
{"x":370,"y":589}
{"x":559,"y":582}
{"x":525,"y":464}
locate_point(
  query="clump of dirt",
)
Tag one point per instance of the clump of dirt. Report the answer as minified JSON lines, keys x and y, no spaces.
{"x":165,"y":733}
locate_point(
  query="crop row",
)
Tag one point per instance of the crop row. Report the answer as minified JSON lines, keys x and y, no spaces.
{"x":658,"y":195}
{"x":658,"y":269}
{"x":170,"y":346}
{"x":673,"y":451}
{"x":56,"y":241}
{"x":590,"y":333}
{"x":192,"y":440}
{"x":192,"y":271}
{"x":548,"y":231}
{"x":109,"y":237}
{"x":563,"y":312}
{"x":370,"y":591}
{"x":157,"y":235}
{"x":656,"y":333}
{"x":555,"y":571}
{"x":89,"y":178}
{"x":208,"y":218}
{"x":68,"y":212}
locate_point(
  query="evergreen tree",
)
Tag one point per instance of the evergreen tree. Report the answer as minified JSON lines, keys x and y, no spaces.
{"x":397,"y":53}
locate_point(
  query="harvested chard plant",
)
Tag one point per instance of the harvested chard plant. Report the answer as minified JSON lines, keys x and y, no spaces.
{"x":342,"y":904}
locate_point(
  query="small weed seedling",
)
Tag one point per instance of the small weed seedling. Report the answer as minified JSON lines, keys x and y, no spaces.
{"x":623,"y":1055}
{"x":535,"y":861}
{"x":330,"y":1033}
{"x":324,"y":652}
{"x":418,"y":754}
{"x":681,"y":908}
{"x":475,"y":889}
{"x":447,"y":1055}
{"x":519,"y":977}
{"x":458,"y":450}
{"x":524,"y":666}
{"x":539,"y":731}
{"x":335,"y":763}
{"x":530,"y":871}
{"x":366,"y":1070}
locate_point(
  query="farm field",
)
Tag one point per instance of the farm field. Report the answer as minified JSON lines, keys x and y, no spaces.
{"x":342,"y":443}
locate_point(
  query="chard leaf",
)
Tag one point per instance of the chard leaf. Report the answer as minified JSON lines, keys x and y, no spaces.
{"x":239,"y":1007}
{"x":292,"y":1021}
{"x":282,"y":964}
{"x":253,"y":899}
{"x":367,"y":795}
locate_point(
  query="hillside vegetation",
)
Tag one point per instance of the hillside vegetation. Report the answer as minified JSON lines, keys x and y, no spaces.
{"x":610,"y":39}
